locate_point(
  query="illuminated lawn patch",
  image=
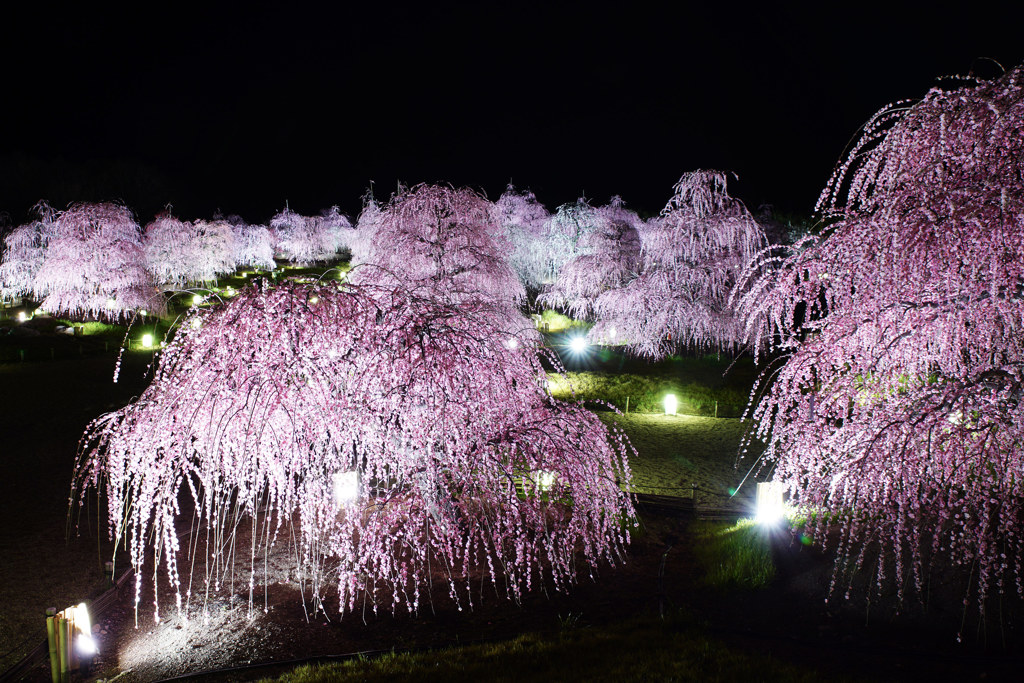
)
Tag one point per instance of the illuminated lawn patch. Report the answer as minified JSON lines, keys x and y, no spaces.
{"x":734,"y":555}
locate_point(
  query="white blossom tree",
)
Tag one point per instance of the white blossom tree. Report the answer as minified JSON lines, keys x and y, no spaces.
{"x":179,"y":253}
{"x":691,"y":258}
{"x":94,"y":265}
{"x":608,"y":257}
{"x":526,"y":223}
{"x":302,"y":239}
{"x":254,"y":245}
{"x":25,"y":250}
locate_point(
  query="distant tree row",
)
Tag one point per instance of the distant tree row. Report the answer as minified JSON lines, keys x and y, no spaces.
{"x":656,"y":284}
{"x":95,"y":261}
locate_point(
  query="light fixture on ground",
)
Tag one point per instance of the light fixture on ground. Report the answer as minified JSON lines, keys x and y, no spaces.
{"x":345,"y":487}
{"x":147,"y":340}
{"x":671,"y":404}
{"x":22,"y":316}
{"x":769,"y":506}
{"x":578,"y":345}
{"x":197,"y":299}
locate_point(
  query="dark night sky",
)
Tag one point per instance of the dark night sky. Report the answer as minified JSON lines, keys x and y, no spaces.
{"x":243,"y":109}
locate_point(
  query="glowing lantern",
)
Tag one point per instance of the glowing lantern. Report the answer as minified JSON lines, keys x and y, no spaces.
{"x":345,"y":486}
{"x":143,"y":312}
{"x":671,"y":404}
{"x":770,"y":508}
{"x":147,"y":340}
{"x":22,"y":316}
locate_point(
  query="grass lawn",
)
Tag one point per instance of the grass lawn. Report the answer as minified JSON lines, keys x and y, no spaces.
{"x":647,"y":650}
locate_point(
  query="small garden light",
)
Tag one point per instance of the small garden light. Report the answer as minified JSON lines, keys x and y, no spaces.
{"x":578,"y":345}
{"x":143,"y":312}
{"x":671,"y":404}
{"x":147,"y":340}
{"x":197,"y":299}
{"x":345,"y":487}
{"x":769,"y":506}
{"x":22,"y":316}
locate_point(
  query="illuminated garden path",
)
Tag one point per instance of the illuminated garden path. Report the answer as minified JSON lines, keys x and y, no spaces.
{"x":676,"y":451}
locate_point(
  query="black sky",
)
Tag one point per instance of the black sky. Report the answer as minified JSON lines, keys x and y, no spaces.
{"x":243,"y":107}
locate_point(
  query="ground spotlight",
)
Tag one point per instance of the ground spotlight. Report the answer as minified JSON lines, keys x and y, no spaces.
{"x":769,"y":506}
{"x":578,"y":345}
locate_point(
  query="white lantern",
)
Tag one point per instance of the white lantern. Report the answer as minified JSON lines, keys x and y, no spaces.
{"x":671,"y":404}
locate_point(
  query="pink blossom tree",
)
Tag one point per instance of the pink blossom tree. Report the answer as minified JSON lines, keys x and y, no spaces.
{"x":898,"y":409}
{"x":25,"y":251}
{"x":447,"y":242}
{"x":94,"y":265}
{"x":464,"y":469}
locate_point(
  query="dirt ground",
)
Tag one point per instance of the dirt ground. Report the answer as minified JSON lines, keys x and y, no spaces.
{"x":45,"y":405}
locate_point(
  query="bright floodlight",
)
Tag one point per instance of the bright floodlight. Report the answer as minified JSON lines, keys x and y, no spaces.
{"x":197,"y":299}
{"x":770,"y":508}
{"x":578,"y":344}
{"x":79,"y":616}
{"x":147,"y":340}
{"x":345,"y":487}
{"x":22,"y":316}
{"x":143,"y":312}
{"x":671,"y":404}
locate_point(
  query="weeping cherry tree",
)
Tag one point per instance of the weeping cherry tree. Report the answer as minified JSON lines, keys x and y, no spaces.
{"x":461,"y":470}
{"x":898,"y":407}
{"x":25,"y":250}
{"x":94,"y":265}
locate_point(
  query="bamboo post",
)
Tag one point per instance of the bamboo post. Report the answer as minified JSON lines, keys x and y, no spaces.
{"x":51,"y":641}
{"x":716,"y":408}
{"x":627,"y":405}
{"x":64,"y":648}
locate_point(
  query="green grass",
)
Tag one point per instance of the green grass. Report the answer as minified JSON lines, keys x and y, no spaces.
{"x":642,"y":650}
{"x":556,"y":322}
{"x":646,"y":393}
{"x":733,"y":555}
